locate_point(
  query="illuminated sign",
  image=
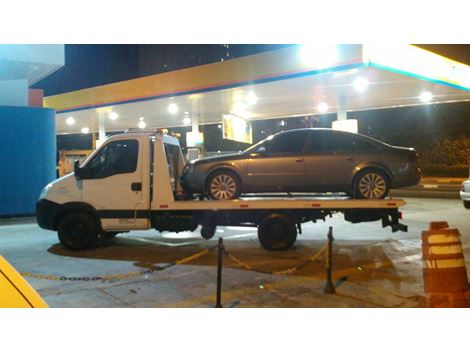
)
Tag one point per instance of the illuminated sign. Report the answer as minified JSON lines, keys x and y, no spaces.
{"x":345,"y":125}
{"x":194,"y":139}
{"x":237,"y":129}
{"x":414,"y":61}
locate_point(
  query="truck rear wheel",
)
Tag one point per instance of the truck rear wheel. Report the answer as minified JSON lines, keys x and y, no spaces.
{"x":277,"y":232}
{"x":78,"y":231}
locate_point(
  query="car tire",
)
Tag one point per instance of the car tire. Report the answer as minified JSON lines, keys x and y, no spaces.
{"x":223,"y":185}
{"x":371,"y":184}
{"x":78,"y":231}
{"x":466,"y":204}
{"x":277,"y":232}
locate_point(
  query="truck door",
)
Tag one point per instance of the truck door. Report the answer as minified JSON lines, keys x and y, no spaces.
{"x":115,"y":185}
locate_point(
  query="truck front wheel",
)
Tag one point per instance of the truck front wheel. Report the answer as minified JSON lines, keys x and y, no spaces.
{"x":277,"y":232}
{"x":78,"y":231}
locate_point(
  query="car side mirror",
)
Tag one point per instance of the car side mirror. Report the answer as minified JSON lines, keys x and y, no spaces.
{"x":261,"y":151}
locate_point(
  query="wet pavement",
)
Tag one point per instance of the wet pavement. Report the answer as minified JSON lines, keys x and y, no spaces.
{"x":372,"y":267}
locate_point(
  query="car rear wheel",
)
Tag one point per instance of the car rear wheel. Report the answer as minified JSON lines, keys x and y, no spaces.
{"x":78,"y":231}
{"x":223,"y":185}
{"x":371,"y":184}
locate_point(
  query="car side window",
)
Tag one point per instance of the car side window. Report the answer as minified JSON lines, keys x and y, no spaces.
{"x":287,"y":143}
{"x":119,"y":157}
{"x":364,"y":144}
{"x":325,"y":141}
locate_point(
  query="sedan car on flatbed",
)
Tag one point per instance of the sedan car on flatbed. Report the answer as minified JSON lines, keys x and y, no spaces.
{"x":306,"y":160}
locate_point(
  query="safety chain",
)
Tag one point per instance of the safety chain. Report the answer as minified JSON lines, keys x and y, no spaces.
{"x":120,"y":276}
{"x":280,"y":272}
{"x":289,"y":271}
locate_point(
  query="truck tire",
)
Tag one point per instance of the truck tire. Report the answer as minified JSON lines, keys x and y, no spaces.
{"x":78,"y":231}
{"x":277,"y":232}
{"x":223,"y":185}
{"x":371,"y":184}
{"x":208,"y":231}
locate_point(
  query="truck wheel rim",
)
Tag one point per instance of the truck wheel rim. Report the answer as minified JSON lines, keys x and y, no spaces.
{"x":223,"y":187}
{"x":372,"y":186}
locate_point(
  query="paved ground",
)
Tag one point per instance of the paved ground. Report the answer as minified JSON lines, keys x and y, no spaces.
{"x":433,"y":187}
{"x":373,"y":267}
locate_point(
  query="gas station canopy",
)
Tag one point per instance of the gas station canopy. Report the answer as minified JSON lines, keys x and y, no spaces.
{"x":296,"y":81}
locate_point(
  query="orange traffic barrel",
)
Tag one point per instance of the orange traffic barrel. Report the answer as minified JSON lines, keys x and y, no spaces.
{"x":444,"y":264}
{"x":444,"y":270}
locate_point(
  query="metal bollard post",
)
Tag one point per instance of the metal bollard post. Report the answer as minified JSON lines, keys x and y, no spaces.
{"x":218,"y":304}
{"x":329,"y":288}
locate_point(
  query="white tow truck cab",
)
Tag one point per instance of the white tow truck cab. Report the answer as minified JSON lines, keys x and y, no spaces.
{"x":132,"y":183}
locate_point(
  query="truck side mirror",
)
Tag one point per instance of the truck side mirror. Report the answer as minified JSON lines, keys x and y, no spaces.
{"x":76,"y":169}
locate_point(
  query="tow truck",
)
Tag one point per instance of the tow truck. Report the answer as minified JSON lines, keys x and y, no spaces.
{"x":131,"y":182}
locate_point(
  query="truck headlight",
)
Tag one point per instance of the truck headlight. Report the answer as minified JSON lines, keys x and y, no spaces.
{"x":45,"y":190}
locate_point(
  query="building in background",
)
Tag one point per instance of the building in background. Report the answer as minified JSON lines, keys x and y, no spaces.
{"x":27,"y":133}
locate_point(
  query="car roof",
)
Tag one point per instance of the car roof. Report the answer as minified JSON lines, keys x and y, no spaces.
{"x":331,"y":130}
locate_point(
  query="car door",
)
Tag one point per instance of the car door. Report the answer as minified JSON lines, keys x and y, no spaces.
{"x":278,"y":164}
{"x":330,"y":160}
{"x":113,"y":185}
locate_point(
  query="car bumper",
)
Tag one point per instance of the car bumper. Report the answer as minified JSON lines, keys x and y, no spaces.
{"x":191,"y":183}
{"x":411,"y":179}
{"x":46,"y":212}
{"x":465,"y":195}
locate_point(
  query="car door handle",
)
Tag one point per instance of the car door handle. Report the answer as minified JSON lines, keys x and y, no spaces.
{"x":136,"y":186}
{"x":299,"y":160}
{"x":350,"y":159}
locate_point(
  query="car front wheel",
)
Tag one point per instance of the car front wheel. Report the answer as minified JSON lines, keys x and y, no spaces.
{"x":466,"y":204}
{"x":223,"y":185}
{"x":371,"y":184}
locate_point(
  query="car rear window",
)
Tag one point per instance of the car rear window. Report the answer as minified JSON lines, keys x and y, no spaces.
{"x":324,"y":141}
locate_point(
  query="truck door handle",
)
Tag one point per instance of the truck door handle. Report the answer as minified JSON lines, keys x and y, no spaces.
{"x":299,"y":160}
{"x":136,"y":186}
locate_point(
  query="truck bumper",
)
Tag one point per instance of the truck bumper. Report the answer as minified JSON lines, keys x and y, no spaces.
{"x":46,"y":212}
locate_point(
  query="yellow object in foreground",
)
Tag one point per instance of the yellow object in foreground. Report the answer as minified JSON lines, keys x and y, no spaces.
{"x":15,"y":292}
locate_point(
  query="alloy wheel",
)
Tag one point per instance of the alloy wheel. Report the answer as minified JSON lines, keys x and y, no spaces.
{"x":372,"y":186}
{"x":223,"y":187}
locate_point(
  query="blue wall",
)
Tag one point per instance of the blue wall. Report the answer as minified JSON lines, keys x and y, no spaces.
{"x":27,"y":157}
